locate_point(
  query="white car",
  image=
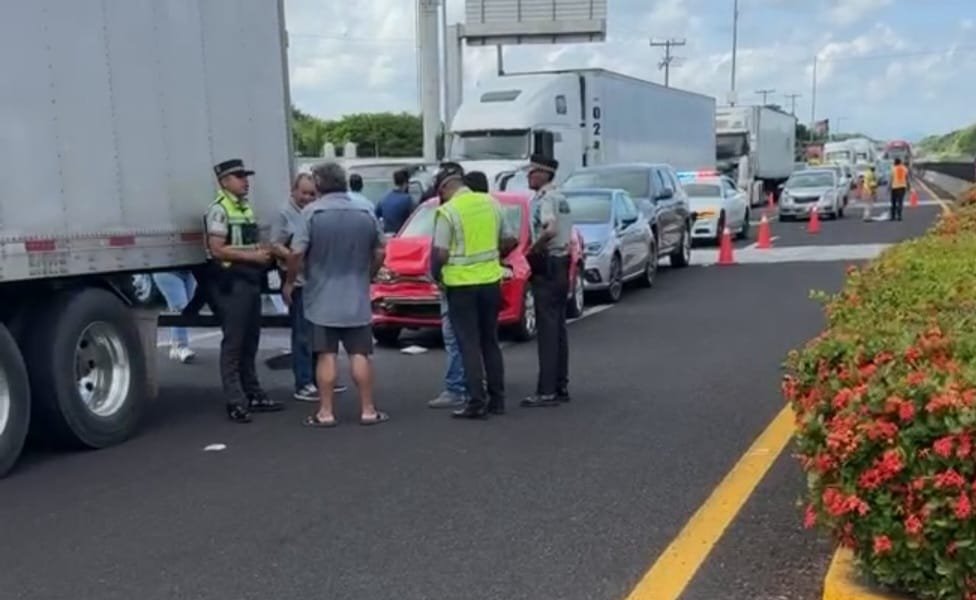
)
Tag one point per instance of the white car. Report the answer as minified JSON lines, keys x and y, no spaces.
{"x":716,"y":204}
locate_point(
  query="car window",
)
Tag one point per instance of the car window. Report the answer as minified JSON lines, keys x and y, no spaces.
{"x":730,"y":189}
{"x":633,"y":181}
{"x":672,"y":180}
{"x":659,"y":181}
{"x":421,"y":222}
{"x":589,"y":208}
{"x":627,"y":208}
{"x":702,"y":190}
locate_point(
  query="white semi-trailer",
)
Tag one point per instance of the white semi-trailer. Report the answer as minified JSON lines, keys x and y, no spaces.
{"x":582,"y":118}
{"x":113,"y":114}
{"x":755,"y":145}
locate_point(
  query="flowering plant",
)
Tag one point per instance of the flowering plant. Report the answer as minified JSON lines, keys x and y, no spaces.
{"x":885,"y":405}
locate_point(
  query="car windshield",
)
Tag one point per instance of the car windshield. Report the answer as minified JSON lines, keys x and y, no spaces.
{"x":590,"y":208}
{"x":635,"y":182}
{"x":838,"y":156}
{"x":811,"y":179}
{"x":481,"y":145}
{"x":421,"y":223}
{"x":702,"y":190}
{"x":731,"y":145}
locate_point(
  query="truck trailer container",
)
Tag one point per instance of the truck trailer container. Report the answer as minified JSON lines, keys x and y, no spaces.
{"x":113,"y":115}
{"x":755,"y":146}
{"x":582,"y":118}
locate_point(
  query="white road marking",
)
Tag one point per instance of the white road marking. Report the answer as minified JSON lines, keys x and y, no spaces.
{"x":215,"y":448}
{"x":795,"y":254}
{"x":755,"y":245}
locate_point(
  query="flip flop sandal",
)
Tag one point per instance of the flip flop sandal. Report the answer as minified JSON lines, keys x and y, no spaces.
{"x":313,"y":421}
{"x":381,"y":417}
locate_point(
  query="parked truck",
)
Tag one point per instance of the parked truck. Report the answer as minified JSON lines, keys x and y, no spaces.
{"x":755,"y":146}
{"x":114,"y":113}
{"x":582,"y":118}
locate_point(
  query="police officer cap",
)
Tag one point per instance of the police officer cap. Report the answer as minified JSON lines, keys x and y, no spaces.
{"x":543,"y":163}
{"x":448,"y":172}
{"x":233,"y":166}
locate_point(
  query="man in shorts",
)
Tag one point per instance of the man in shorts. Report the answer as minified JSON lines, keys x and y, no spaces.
{"x":339,"y":249}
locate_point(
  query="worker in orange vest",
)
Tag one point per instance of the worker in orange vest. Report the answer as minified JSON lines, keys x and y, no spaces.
{"x":899,"y":187}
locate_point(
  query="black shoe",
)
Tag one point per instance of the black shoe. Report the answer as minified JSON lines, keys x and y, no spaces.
{"x":263,"y":404}
{"x":471,"y":412}
{"x":540,"y":401}
{"x":496,"y":408}
{"x":562,"y":396}
{"x":238,"y":414}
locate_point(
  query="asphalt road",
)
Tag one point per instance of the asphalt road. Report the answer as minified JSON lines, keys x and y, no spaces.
{"x":670,"y":387}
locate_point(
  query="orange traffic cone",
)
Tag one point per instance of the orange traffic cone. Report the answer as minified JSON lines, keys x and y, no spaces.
{"x":814,"y":225}
{"x":765,"y":241}
{"x":770,"y":200}
{"x":913,"y":199}
{"x":725,"y":249}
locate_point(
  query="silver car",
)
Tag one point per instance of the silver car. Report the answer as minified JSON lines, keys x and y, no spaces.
{"x":813,"y":189}
{"x":618,"y":243}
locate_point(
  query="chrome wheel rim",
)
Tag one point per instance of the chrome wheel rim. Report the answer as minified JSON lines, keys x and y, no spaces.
{"x":616,"y":280}
{"x":529,"y":312}
{"x":578,"y":290}
{"x":103,"y":371}
{"x":5,"y":401}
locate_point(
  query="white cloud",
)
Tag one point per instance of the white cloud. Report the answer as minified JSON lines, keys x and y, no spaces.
{"x":849,"y":12}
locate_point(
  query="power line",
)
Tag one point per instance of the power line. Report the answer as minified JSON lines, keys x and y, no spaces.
{"x":765,"y":94}
{"x":668,"y":58}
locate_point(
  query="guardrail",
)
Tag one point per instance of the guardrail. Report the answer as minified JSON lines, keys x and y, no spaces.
{"x":945,"y":184}
{"x":965,"y":171}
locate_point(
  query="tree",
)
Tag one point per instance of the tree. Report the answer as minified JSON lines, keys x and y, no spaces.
{"x":375,"y":134}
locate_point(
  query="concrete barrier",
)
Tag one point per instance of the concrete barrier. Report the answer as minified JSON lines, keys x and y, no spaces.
{"x":952,"y":186}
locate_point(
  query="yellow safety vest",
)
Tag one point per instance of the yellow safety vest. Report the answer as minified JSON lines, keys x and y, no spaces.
{"x":242,"y":226}
{"x":473,"y":257}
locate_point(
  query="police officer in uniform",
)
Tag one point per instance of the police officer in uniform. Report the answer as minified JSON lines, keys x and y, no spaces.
{"x":238,"y":264}
{"x":470,"y":239}
{"x":549,"y":260}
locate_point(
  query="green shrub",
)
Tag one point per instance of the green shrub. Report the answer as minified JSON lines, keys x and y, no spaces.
{"x":885,"y":404}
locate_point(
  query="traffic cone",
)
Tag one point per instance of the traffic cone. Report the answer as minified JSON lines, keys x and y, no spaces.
{"x":725,"y":249}
{"x":770,"y":200}
{"x":765,"y":241}
{"x":913,"y":199}
{"x":814,"y":225}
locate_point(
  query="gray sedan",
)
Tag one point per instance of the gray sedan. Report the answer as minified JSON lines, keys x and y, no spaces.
{"x":813,"y":189}
{"x":618,"y":243}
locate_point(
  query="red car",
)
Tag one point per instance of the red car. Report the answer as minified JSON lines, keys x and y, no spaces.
{"x":405,"y":297}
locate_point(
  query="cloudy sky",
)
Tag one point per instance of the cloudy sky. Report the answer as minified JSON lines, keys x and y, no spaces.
{"x":888,"y":68}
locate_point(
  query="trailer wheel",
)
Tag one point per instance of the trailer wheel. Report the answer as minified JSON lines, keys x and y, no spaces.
{"x":87,"y":370}
{"x":14,"y":401}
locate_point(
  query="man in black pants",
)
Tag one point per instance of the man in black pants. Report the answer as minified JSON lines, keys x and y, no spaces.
{"x":549,"y":260}
{"x":470,"y":238}
{"x":238,"y":263}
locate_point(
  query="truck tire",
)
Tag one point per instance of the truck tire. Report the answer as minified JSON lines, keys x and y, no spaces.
{"x":87,"y":370}
{"x":14,"y":401}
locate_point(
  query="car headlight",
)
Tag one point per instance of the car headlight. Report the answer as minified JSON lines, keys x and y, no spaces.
{"x":785,"y":198}
{"x":385,"y":275}
{"x":827,"y":198}
{"x":593,"y":248}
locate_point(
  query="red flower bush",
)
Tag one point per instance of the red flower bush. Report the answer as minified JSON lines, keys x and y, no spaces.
{"x":885,"y":405}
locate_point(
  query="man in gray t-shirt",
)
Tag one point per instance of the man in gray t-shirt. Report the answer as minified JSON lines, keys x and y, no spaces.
{"x":339,"y":248}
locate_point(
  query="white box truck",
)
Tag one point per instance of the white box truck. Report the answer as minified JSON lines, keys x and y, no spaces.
{"x":582,"y":118}
{"x":755,"y":145}
{"x":113,"y":114}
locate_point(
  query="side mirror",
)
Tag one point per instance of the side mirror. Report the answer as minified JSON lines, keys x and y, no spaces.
{"x":665,"y":194}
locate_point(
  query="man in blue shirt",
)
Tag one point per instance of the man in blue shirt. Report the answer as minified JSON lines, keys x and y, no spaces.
{"x":396,"y":206}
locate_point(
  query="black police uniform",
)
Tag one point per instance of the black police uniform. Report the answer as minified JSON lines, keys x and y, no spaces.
{"x":235,"y":293}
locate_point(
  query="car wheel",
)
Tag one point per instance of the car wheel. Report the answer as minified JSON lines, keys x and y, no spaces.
{"x":577,"y":298}
{"x":15,"y":401}
{"x":650,"y":269}
{"x":527,"y":325}
{"x":681,"y":257}
{"x":743,"y":232}
{"x":386,"y":335}
{"x":615,"y":281}
{"x":88,"y":370}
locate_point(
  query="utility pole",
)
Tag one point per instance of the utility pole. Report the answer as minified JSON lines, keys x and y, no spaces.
{"x":765,"y":94}
{"x":735,"y":47}
{"x":792,"y":98}
{"x":668,"y":58}
{"x":813,"y":99}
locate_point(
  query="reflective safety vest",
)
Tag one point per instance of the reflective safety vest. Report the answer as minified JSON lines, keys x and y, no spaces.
{"x":473,"y":257}
{"x":899,"y":177}
{"x":242,"y":226}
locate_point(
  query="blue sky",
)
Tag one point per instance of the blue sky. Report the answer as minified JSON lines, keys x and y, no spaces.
{"x":888,"y":68}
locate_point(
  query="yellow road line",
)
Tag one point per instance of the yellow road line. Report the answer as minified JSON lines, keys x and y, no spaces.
{"x":676,"y":566}
{"x":942,"y":203}
{"x":842,"y":582}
